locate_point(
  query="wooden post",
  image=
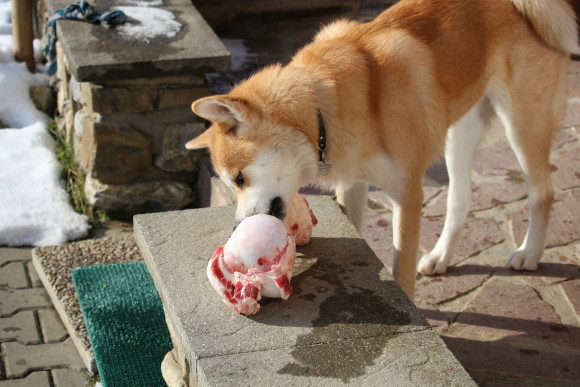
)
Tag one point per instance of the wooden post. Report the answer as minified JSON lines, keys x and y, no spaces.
{"x":22,"y":32}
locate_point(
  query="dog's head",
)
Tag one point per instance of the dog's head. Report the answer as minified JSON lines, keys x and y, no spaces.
{"x":263,"y":157}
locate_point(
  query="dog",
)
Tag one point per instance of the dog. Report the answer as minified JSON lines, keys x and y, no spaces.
{"x":378,"y":102}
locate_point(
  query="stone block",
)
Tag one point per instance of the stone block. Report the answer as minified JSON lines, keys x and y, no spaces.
{"x":100,"y":99}
{"x":68,"y":378}
{"x":572,"y":291}
{"x":524,"y":365}
{"x":21,"y":359}
{"x":14,"y":254}
{"x":44,"y":99}
{"x":554,"y":267}
{"x":97,"y":54}
{"x":565,"y":172}
{"x":188,"y":80}
{"x":112,"y":150}
{"x":483,"y":196}
{"x":13,"y":300}
{"x":21,"y":327}
{"x":35,"y":280}
{"x":14,"y":276}
{"x":347,"y":321}
{"x":502,"y":309}
{"x":457,"y":281}
{"x":138,"y":197}
{"x":67,"y":128}
{"x":175,"y":97}
{"x":564,"y":220}
{"x":51,"y":326}
{"x":496,"y":160}
{"x":478,"y":234}
{"x":35,"y":379}
{"x":172,"y":155}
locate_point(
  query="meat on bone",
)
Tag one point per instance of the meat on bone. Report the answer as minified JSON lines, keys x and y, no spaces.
{"x":300,"y":220}
{"x":258,"y":257}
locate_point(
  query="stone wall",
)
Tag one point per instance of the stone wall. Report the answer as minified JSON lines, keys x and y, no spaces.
{"x":129,"y":135}
{"x":127,"y":114}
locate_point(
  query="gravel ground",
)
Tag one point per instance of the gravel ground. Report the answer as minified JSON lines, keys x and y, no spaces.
{"x":58,"y":261}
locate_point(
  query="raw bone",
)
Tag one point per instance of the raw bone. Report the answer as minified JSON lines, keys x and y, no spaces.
{"x":257,"y":260}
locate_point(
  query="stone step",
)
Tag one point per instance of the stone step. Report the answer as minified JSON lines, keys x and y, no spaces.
{"x":347,"y":322}
{"x":97,"y":54}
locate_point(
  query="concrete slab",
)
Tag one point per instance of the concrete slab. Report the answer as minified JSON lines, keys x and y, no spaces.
{"x":98,"y":54}
{"x":346,"y":313}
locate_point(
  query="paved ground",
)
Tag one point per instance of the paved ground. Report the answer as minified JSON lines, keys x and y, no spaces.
{"x":36,"y":349}
{"x":505,"y":327}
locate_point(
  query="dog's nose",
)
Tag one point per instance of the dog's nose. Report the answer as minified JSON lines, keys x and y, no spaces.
{"x":277,"y":208}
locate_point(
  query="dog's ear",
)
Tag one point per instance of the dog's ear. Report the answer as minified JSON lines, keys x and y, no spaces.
{"x":220,"y":108}
{"x":201,"y":141}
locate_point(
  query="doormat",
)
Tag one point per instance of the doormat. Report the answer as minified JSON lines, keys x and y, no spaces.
{"x":125,"y":321}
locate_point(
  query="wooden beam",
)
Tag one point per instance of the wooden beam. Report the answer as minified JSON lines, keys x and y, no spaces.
{"x":22,"y":32}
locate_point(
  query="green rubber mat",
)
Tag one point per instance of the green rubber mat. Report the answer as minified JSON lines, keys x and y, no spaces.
{"x":125,"y":321}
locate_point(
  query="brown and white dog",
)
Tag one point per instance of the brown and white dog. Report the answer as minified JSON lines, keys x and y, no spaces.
{"x":378,"y":102}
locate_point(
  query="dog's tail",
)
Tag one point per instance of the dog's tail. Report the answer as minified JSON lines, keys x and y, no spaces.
{"x":554,"y":21}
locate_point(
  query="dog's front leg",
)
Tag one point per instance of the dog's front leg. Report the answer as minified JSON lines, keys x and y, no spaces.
{"x":406,"y":230}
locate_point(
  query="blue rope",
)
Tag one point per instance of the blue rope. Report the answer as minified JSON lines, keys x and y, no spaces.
{"x":83,"y":11}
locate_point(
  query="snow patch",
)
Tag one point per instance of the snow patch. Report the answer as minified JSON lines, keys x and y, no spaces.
{"x":148,"y":23}
{"x":34,"y":207}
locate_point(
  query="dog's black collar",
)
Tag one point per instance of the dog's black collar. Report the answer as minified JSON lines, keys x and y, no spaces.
{"x":324,"y":166}
{"x":321,"y":138}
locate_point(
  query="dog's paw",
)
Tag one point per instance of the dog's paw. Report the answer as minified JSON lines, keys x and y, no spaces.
{"x":432,"y":264}
{"x":523,"y":260}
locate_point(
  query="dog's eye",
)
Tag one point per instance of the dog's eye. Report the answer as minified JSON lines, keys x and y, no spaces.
{"x":239,"y":180}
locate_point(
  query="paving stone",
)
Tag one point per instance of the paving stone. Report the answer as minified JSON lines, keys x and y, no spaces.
{"x":35,"y":280}
{"x":516,"y":362}
{"x":572,"y":116}
{"x":11,"y":254}
{"x":553,"y":268}
{"x":35,"y":379}
{"x":457,"y":281}
{"x":495,"y":160}
{"x":563,"y":137}
{"x":483,"y":196}
{"x":20,"y":359}
{"x":565,"y":171}
{"x":503,"y":309}
{"x":20,"y":327}
{"x":564,"y":220}
{"x":68,"y":378}
{"x":12,"y":300}
{"x":380,"y":198}
{"x":572,"y":290}
{"x":437,"y":319}
{"x":437,"y":173}
{"x":13,"y":275}
{"x":478,"y":235}
{"x":378,"y":233}
{"x":52,"y":328}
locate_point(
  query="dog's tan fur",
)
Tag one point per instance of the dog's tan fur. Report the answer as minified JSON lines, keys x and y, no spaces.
{"x":389,"y":90}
